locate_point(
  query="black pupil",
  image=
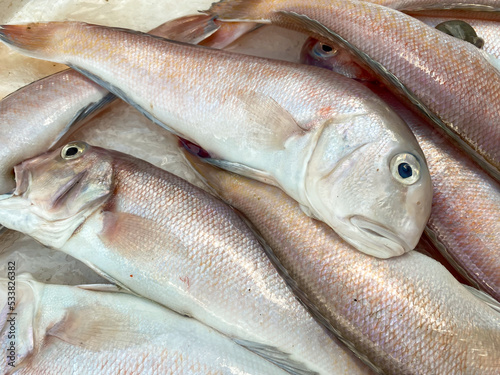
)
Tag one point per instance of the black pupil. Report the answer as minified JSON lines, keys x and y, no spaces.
{"x":404,"y":170}
{"x":326,"y":48}
{"x":72,"y":151}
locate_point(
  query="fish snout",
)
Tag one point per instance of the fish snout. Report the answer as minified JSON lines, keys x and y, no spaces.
{"x":378,"y":240}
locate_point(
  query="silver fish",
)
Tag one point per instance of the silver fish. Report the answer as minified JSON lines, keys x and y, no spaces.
{"x":329,"y":143}
{"x":169,"y":241}
{"x":93,"y":329}
{"x":405,"y":315}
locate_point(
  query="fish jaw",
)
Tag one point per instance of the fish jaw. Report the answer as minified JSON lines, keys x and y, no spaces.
{"x":392,"y":215}
{"x":54,"y":196}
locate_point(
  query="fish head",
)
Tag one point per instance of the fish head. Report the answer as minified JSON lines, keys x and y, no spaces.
{"x":56,"y":191}
{"x":333,"y":57}
{"x":376,"y":191}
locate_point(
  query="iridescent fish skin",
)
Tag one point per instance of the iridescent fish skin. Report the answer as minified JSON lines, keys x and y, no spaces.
{"x":33,"y":118}
{"x":464,"y":221}
{"x":475,"y":5}
{"x":486,"y":29}
{"x":171,"y":242}
{"x":329,"y":143}
{"x":406,"y":315}
{"x":451,"y":81}
{"x":93,"y":330}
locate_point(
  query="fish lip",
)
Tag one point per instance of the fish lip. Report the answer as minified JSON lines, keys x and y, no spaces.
{"x":22,"y":179}
{"x":387,"y":243}
{"x":65,"y":190}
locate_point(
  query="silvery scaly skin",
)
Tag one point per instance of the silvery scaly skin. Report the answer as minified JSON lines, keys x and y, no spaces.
{"x":34,"y":118}
{"x":478,"y":5}
{"x":328,"y":142}
{"x":451,"y":81}
{"x":91,"y":330}
{"x":171,"y":242}
{"x":464,"y":223}
{"x":406,"y":315}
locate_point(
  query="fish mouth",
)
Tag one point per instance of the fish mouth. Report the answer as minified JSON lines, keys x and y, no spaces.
{"x":379,"y":241}
{"x":22,"y":180}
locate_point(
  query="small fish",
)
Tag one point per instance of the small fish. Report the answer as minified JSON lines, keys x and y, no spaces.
{"x":94,"y":329}
{"x":329,"y":143}
{"x":464,"y":223}
{"x":167,"y":240}
{"x":450,"y":81}
{"x":404,"y":315}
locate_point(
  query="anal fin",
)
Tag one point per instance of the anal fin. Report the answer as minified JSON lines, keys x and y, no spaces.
{"x":277,"y":357}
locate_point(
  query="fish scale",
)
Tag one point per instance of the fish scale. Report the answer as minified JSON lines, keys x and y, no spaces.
{"x":449,"y":80}
{"x":407,"y":315}
{"x":173,"y":243}
{"x":295,"y":126}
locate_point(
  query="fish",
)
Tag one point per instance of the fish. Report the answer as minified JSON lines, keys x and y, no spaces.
{"x":162,"y":238}
{"x":38,"y":116}
{"x":98,"y":329}
{"x":404,"y":315}
{"x":325,"y":140}
{"x":463,"y":223}
{"x":449,"y":80}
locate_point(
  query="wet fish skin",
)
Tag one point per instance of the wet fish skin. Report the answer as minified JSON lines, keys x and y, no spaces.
{"x":488,"y":30}
{"x":474,"y":5}
{"x":163,"y":238}
{"x":449,"y":80}
{"x":406,"y":315}
{"x":91,"y":329}
{"x":464,"y":223}
{"x":327,"y":133}
{"x":34,"y":117}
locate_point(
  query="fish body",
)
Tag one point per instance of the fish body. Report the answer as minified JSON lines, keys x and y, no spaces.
{"x":451,"y":81}
{"x":166,"y":240}
{"x":464,"y":223}
{"x":63,"y":330}
{"x":474,"y":5}
{"x":405,"y":315}
{"x":325,"y":140}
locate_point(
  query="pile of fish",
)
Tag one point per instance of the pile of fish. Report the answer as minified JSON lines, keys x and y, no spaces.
{"x":297,"y":231}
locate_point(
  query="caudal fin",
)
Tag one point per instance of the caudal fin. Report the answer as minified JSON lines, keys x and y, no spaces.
{"x":33,"y":38}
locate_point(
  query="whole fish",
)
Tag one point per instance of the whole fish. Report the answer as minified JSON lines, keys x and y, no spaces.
{"x":450,"y":81}
{"x":406,"y":315}
{"x":169,"y":241}
{"x":326,"y":141}
{"x":464,"y":223}
{"x":91,"y":329}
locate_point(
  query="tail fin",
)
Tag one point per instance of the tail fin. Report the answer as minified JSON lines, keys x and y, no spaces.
{"x":32,"y":38}
{"x":243,"y":10}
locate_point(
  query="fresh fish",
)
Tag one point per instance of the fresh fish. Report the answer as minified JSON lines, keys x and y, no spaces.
{"x":93,"y":329}
{"x":406,"y":315}
{"x":464,"y":223}
{"x":37,"y":116}
{"x":167,"y":240}
{"x":451,"y":81}
{"x":326,"y":141}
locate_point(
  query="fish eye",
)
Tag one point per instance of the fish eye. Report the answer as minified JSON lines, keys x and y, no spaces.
{"x":73,"y":150}
{"x":324,"y":50}
{"x":405,"y":168}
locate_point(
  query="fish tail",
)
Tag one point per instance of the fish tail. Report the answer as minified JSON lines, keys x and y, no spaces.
{"x":242,"y":10}
{"x":34,"y":39}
